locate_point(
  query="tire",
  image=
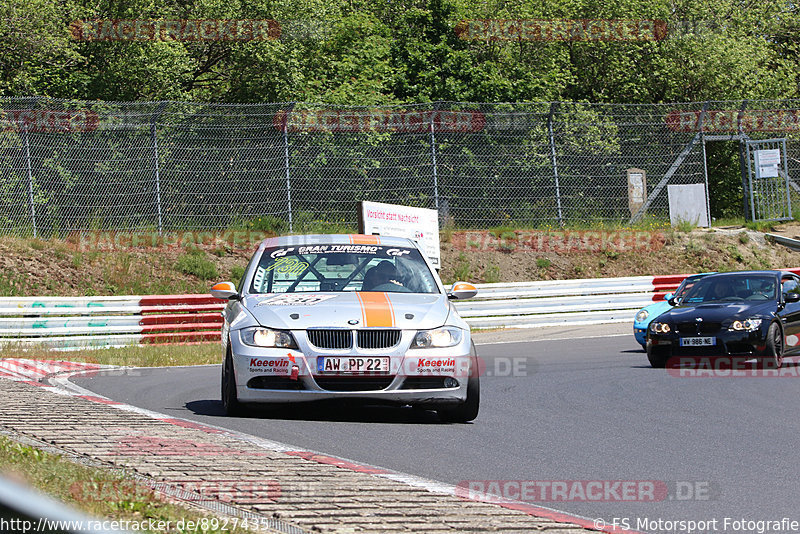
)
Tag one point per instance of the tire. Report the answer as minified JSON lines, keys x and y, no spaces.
{"x":644,"y":346}
{"x":657,"y":358}
{"x":773,"y":358}
{"x":468,"y":410}
{"x":230,"y":400}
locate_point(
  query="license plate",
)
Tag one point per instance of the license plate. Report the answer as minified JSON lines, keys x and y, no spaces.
{"x":698,"y":341}
{"x":337,"y":364}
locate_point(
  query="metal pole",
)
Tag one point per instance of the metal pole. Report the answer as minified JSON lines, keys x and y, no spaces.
{"x":156,"y":168}
{"x":286,"y":164}
{"x":743,"y":138}
{"x":786,"y":177}
{"x":553,"y":159}
{"x":705,"y":177}
{"x":28,"y":169}
{"x":435,"y":170}
{"x":750,"y":184}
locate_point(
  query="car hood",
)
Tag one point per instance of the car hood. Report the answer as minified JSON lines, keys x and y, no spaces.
{"x":719,"y":311}
{"x":297,"y":311}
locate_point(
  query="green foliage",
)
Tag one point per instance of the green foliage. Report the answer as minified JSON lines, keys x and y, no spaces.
{"x":491,"y":274}
{"x":195,"y":263}
{"x":463,"y":269}
{"x":237,"y":272}
{"x":743,"y":238}
{"x":377,"y":53}
{"x":685,"y":226}
{"x":543,"y":263}
{"x":306,"y":222}
{"x":761,"y":226}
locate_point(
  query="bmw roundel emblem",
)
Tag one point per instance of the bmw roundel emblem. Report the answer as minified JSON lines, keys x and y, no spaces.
{"x":352,"y":321}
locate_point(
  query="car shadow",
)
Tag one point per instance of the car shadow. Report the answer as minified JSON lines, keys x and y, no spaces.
{"x":706,"y":364}
{"x":325,"y":411}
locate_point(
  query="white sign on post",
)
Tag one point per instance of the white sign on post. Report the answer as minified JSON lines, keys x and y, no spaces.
{"x":767,"y":163}
{"x":687,"y":203}
{"x":419,"y":224}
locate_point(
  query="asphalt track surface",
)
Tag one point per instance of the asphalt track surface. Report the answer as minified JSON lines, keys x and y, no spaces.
{"x":580,"y":409}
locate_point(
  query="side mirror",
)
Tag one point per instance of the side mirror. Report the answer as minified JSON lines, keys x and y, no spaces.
{"x":670,"y":298}
{"x":791,"y":297}
{"x":224,"y":291}
{"x":462,"y":290}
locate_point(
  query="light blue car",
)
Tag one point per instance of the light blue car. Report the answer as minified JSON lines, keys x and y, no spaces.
{"x":643,"y":317}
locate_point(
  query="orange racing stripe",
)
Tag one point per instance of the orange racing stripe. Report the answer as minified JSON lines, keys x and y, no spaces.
{"x":376,"y":309}
{"x":361,"y":239}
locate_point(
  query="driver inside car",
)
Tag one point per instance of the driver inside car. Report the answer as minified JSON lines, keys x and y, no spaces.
{"x":383,"y":273}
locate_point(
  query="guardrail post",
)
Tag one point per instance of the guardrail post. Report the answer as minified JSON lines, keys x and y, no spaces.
{"x":553,"y":160}
{"x":29,"y":172}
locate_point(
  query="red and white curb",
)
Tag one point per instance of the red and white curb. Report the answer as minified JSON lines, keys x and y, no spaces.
{"x":55,"y":377}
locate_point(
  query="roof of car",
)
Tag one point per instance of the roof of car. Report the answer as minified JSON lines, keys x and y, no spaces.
{"x":734,"y":273}
{"x":336,"y":239}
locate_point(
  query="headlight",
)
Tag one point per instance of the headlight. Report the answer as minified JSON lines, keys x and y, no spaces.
{"x":642,"y":315}
{"x":258,"y":336}
{"x":447,"y":336}
{"x":748,"y":325}
{"x":659,"y":328}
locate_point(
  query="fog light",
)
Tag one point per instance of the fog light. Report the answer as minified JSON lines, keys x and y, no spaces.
{"x":450,"y":382}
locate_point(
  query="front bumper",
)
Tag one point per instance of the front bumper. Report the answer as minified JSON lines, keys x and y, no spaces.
{"x":726,"y":343}
{"x":640,"y":333}
{"x":416,"y":376}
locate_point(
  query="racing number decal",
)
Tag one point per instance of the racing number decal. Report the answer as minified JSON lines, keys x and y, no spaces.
{"x":376,"y":309}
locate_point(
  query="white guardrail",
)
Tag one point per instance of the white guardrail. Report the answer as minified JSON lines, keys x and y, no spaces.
{"x":84,"y":322}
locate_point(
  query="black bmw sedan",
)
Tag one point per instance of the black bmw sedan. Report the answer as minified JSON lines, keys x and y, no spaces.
{"x":747,"y":314}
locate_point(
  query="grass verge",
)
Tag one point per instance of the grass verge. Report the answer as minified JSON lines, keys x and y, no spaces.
{"x":135,"y":356}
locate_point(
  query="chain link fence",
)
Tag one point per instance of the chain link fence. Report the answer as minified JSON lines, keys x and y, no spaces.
{"x":70,"y":166}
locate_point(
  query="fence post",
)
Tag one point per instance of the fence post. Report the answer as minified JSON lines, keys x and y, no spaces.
{"x":433,"y":158}
{"x":553,"y":160}
{"x":435,"y":170}
{"x":286,"y":163}
{"x":744,"y":163}
{"x":29,"y":171}
{"x":156,"y":167}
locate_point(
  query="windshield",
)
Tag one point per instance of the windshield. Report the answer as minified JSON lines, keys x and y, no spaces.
{"x":336,"y":268}
{"x":731,"y":289}
{"x":685,"y":286}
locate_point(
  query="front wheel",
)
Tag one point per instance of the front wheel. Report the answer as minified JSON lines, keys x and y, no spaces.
{"x":230,"y":400}
{"x":657,"y":356}
{"x":468,"y":410}
{"x":773,"y":359}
